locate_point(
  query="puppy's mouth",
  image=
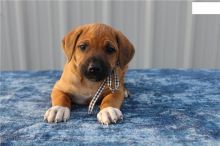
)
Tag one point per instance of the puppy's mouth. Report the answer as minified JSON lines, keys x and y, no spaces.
{"x":95,"y":69}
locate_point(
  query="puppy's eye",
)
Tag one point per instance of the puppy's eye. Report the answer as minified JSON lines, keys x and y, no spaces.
{"x":83,"y":47}
{"x":110,"y":50}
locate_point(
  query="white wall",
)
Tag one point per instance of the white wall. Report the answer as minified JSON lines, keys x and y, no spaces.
{"x":165,"y":33}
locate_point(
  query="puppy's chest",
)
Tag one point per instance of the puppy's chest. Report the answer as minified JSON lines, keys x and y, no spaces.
{"x":80,"y":98}
{"x":83,"y":95}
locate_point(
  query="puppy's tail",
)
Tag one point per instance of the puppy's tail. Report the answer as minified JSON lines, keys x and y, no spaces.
{"x":126,"y":93}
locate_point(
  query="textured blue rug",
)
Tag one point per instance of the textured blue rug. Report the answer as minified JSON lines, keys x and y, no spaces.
{"x":167,"y":107}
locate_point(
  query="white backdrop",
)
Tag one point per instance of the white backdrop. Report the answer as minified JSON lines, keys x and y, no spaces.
{"x":164,"y":33}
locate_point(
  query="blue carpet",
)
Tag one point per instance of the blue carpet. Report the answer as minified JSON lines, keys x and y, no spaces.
{"x":167,"y":107}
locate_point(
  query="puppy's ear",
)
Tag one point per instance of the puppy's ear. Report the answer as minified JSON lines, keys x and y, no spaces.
{"x":69,"y":42}
{"x":126,"y":49}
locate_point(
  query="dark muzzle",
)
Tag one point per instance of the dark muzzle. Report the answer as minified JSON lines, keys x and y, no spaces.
{"x":95,"y":69}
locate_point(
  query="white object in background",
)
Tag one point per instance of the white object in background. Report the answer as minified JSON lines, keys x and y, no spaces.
{"x":205,"y":7}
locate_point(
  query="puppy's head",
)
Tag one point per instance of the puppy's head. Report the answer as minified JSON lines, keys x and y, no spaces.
{"x":95,"y":50}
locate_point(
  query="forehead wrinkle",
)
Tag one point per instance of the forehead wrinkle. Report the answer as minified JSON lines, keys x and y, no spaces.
{"x":97,"y":35}
{"x":99,"y":30}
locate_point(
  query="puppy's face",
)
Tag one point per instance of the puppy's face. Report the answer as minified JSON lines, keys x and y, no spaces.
{"x":95,"y":49}
{"x":96,"y":53}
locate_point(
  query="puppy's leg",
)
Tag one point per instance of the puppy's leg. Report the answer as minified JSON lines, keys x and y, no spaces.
{"x":60,"y":110}
{"x":110,"y":108}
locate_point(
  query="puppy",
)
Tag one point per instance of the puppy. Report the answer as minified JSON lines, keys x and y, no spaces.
{"x":93,"y":51}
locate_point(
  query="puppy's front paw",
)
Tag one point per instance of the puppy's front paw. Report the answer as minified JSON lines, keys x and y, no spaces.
{"x":109,"y":115}
{"x":57,"y":114}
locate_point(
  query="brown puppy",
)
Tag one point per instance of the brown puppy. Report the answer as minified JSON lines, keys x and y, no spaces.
{"x":93,"y":52}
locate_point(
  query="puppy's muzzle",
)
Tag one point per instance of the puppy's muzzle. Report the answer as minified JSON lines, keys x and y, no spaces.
{"x":95,"y":69}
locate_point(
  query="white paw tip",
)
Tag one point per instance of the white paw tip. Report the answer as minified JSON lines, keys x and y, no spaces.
{"x":57,"y":114}
{"x":109,"y":115}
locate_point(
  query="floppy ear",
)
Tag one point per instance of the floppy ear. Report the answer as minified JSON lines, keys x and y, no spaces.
{"x":69,"y":42}
{"x":126,"y":49}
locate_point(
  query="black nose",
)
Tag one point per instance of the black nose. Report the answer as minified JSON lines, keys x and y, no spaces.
{"x":94,"y":68}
